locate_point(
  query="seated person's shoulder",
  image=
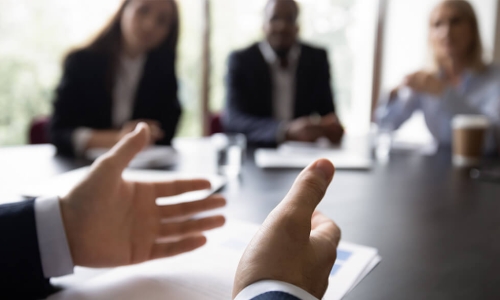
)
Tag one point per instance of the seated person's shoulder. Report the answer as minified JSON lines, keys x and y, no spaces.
{"x":84,"y":58}
{"x":314,"y":50}
{"x":246,"y":53}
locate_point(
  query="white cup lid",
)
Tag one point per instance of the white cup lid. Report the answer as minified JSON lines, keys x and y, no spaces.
{"x":470,"y":121}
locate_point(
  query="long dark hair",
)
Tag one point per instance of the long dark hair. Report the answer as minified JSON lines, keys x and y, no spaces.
{"x":109,"y":39}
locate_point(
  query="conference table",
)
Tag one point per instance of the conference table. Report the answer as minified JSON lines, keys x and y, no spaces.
{"x":437,"y":230}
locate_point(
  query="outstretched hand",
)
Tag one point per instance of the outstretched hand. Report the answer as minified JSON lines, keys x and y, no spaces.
{"x":296,"y":244}
{"x":111,"y":222}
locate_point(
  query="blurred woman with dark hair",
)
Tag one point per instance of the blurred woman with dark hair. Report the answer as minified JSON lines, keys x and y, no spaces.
{"x":125,"y":75}
{"x":457,"y":82}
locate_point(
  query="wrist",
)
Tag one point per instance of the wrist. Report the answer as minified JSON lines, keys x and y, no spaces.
{"x":266,"y":286}
{"x":68,"y":217}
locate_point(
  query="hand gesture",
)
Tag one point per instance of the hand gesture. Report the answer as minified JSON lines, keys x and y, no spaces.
{"x":156,"y":133}
{"x":296,"y":244}
{"x":111,"y":222}
{"x":425,"y":82}
{"x":304,"y":130}
{"x":332,"y":129}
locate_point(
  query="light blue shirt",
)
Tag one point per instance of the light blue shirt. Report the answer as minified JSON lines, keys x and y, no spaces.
{"x":478,"y":93}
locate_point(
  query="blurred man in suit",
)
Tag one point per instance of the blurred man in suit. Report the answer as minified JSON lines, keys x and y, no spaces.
{"x":106,"y":221}
{"x":279,"y":89}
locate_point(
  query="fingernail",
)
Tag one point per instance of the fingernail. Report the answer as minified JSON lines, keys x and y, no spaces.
{"x":325,"y":168}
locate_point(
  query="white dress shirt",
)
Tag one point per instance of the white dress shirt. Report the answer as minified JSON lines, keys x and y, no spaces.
{"x":478,"y":93}
{"x":283,"y":84}
{"x":126,"y":83}
{"x":56,"y":258}
{"x":55,"y":254}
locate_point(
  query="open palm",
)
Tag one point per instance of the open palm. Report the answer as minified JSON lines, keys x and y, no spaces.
{"x":111,"y":222}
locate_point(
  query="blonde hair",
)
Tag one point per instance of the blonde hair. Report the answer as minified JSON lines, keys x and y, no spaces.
{"x":466,"y":10}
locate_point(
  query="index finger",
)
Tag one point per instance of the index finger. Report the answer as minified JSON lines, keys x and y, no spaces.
{"x":324,"y":228}
{"x":191,"y":208}
{"x":120,"y":156}
{"x":177,"y":187}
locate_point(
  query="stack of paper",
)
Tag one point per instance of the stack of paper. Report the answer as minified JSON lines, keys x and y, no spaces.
{"x":204,"y":274}
{"x":300,"y":155}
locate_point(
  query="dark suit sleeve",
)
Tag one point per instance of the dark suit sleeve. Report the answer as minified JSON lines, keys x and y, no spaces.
{"x":21,"y":274}
{"x":236,"y":118}
{"x":322,"y":92}
{"x":66,"y":106}
{"x":275,"y":296}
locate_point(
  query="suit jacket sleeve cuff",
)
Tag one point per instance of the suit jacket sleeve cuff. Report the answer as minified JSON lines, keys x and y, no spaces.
{"x":55,"y":254}
{"x":261,"y":287}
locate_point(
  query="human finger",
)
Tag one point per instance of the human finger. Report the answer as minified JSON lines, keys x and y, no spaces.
{"x":177,"y":187}
{"x":309,"y":189}
{"x":325,"y":229}
{"x":127,"y":148}
{"x":191,"y":226}
{"x":158,"y":134}
{"x":151,"y":122}
{"x":161,"y":250}
{"x":191,"y":208}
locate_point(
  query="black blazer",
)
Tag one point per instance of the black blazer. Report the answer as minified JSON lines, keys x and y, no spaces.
{"x":249,"y":105}
{"x":21,"y":273}
{"x":275,"y":296}
{"x":84,"y":97}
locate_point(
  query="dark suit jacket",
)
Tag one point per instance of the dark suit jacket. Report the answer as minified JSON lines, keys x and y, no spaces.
{"x":21,"y":274}
{"x":275,"y":296}
{"x":249,"y":105}
{"x":84,"y":97}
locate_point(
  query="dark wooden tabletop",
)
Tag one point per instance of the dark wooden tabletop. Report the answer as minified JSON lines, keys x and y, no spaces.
{"x":437,"y":230}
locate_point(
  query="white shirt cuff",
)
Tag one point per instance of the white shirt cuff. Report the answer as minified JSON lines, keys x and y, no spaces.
{"x":55,"y":254}
{"x":265,"y":286}
{"x":80,"y":139}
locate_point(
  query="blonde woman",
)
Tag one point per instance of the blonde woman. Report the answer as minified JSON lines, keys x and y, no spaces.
{"x":458,"y":83}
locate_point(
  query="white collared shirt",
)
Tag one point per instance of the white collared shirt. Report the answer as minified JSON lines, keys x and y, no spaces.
{"x":283,"y":81}
{"x":127,"y":80}
{"x":126,"y":83}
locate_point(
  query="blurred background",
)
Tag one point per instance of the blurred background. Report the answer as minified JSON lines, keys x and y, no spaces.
{"x":372,"y":44}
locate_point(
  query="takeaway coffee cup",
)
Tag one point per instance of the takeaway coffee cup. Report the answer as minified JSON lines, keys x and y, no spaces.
{"x":469,"y":133}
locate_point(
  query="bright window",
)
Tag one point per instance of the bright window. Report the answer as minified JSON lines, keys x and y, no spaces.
{"x":36,"y":35}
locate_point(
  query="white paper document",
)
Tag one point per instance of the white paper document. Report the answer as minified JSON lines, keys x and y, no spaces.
{"x":60,"y":185}
{"x":300,"y":155}
{"x":151,"y":157}
{"x":204,"y":274}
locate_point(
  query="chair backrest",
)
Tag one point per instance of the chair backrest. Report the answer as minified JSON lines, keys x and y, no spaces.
{"x":39,"y":131}
{"x":216,"y":123}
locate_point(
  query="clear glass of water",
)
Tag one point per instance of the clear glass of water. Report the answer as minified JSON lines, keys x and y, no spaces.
{"x":383,"y":145}
{"x":230,"y":153}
